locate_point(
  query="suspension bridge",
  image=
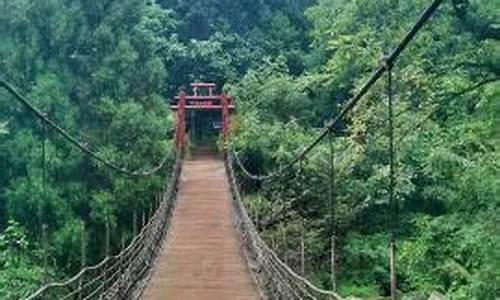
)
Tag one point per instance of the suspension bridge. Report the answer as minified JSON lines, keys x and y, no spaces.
{"x":201,"y":242}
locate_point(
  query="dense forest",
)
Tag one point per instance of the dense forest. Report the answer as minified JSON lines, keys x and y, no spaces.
{"x":105,"y":70}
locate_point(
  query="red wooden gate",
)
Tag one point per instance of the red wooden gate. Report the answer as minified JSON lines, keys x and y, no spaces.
{"x":203,"y":98}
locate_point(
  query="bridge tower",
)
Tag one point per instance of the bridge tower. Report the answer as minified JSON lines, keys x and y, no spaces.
{"x":203,"y":98}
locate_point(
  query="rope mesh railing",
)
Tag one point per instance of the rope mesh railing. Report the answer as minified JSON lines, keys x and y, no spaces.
{"x":273,"y":277}
{"x":116,"y":277}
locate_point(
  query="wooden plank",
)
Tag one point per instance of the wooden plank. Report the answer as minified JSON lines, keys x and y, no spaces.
{"x":201,"y":258}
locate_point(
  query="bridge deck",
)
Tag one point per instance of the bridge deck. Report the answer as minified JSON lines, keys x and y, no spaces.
{"x":201,"y":258}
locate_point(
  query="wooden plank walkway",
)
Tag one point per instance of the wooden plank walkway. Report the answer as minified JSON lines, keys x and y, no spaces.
{"x":201,"y":258}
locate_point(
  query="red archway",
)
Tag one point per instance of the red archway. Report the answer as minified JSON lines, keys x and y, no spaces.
{"x":203,"y":98}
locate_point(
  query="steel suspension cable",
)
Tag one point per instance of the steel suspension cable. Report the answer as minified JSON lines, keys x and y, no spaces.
{"x":73,"y":140}
{"x":333,"y":123}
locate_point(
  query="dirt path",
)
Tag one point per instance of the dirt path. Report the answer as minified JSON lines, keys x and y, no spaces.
{"x":201,"y":258}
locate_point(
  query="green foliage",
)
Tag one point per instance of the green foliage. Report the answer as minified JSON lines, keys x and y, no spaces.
{"x":446,"y":84}
{"x":19,"y":269}
{"x":357,"y":290}
{"x":100,"y":71}
{"x":103,"y":69}
{"x":366,"y":258}
{"x":447,"y":256}
{"x":4,"y":128}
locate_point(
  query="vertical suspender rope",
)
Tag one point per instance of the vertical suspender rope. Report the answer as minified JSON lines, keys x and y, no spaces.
{"x":44,"y":154}
{"x":134,"y":220}
{"x":83,"y":246}
{"x":284,"y":232}
{"x":83,"y":259}
{"x":41,"y":200}
{"x":332,"y":210}
{"x":302,"y":222}
{"x":107,"y":244}
{"x":44,"y":167}
{"x":393,"y":205}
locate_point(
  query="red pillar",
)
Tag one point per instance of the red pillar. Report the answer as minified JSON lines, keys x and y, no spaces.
{"x":181,"y":122}
{"x":225,"y":118}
